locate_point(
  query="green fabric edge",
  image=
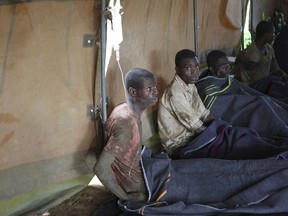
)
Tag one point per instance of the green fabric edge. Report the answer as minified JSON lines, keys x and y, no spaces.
{"x":41,"y":199}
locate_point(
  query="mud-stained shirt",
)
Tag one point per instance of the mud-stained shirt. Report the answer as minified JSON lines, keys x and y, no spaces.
{"x":123,"y":134}
{"x":180,"y":112}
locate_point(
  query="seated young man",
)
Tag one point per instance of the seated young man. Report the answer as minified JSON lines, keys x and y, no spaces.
{"x":181,"y":112}
{"x":258,"y":60}
{"x":118,"y":166}
{"x":183,"y":120}
{"x":218,"y":65}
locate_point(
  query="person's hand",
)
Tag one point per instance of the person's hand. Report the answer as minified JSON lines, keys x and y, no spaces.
{"x":208,"y":120}
{"x":200,"y":130}
{"x":137,"y":196}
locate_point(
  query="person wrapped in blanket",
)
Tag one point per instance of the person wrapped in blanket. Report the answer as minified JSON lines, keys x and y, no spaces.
{"x":257,"y":67}
{"x":182,"y":117}
{"x":118,"y":166}
{"x":218,"y":65}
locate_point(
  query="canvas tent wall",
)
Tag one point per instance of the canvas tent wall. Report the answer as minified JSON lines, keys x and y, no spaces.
{"x":48,"y":79}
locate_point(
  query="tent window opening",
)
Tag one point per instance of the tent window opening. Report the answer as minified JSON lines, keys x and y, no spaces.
{"x":247,"y":33}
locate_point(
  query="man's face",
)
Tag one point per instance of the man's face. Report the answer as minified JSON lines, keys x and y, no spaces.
{"x":222,"y":67}
{"x":188,"y":70}
{"x":147,"y":93}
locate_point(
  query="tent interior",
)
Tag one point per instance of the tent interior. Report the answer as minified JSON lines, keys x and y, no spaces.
{"x":54,"y":67}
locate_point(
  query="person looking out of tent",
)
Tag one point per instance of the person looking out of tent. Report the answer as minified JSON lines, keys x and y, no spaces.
{"x":118,"y":166}
{"x":257,"y":67}
{"x":258,"y":60}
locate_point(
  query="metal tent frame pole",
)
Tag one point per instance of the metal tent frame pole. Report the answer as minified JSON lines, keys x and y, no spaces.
{"x":195,"y":27}
{"x":103,"y":54}
{"x":251,"y":17}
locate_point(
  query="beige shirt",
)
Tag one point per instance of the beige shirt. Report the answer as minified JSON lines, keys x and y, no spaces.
{"x":180,"y":112}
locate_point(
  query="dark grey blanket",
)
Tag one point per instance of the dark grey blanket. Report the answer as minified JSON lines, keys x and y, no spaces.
{"x":212,"y":186}
{"x":209,"y":186}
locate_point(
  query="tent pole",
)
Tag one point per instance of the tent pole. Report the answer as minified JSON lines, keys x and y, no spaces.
{"x":195,"y":27}
{"x":103,"y":51}
{"x":251,"y":17}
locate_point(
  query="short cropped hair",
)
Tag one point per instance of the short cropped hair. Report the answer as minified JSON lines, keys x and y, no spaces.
{"x":137,"y":76}
{"x":182,"y":54}
{"x":264,"y":27}
{"x":213,"y":56}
